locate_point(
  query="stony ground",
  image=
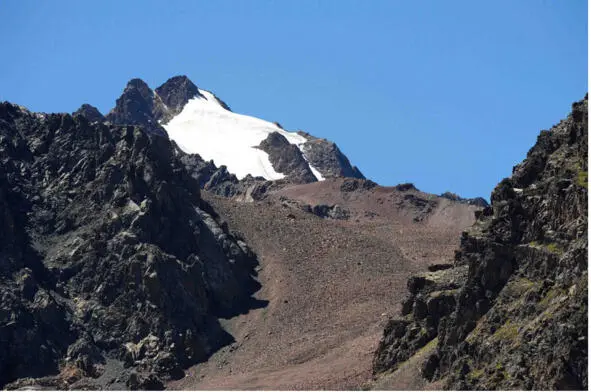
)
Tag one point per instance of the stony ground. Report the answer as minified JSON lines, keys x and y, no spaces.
{"x":330,"y":284}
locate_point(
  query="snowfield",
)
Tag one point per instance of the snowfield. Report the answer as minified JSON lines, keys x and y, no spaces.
{"x":206,"y":128}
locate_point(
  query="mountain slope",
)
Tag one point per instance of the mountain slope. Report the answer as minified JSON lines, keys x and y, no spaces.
{"x":331,"y":254}
{"x":113,"y":270}
{"x":512,"y":312}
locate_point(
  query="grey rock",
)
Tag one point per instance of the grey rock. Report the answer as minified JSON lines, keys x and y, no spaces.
{"x":107,"y":253}
{"x":138,"y":105}
{"x":477,"y":201}
{"x":175,"y":93}
{"x":90,"y":112}
{"x":287,"y":158}
{"x":328,"y":159}
{"x":512,"y":312}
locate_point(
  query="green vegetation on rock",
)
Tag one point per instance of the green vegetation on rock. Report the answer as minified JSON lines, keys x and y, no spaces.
{"x":507,"y":331}
{"x":583,"y":179}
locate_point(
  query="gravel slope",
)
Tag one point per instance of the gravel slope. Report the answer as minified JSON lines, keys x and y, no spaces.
{"x":330,"y":284}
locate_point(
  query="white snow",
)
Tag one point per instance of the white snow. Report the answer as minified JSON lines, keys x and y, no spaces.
{"x":316,"y":172}
{"x":204,"y":127}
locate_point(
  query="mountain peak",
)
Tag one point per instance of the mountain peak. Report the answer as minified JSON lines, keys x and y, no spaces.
{"x":176,"y":92}
{"x":136,"y":106}
{"x":139,"y":85}
{"x":200,"y":122}
{"x":91,"y":113}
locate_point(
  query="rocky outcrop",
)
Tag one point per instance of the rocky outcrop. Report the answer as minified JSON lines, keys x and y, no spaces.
{"x":138,"y":105}
{"x":175,"y":93}
{"x":353,"y":184}
{"x":332,"y":211}
{"x":421,"y":205}
{"x":511,"y":313}
{"x":328,"y":159}
{"x":91,"y":113}
{"x":113,"y":271}
{"x":221,"y":182}
{"x":287,"y":158}
{"x":476,"y":201}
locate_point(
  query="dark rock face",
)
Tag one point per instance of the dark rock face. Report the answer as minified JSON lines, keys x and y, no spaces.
{"x":175,"y":93}
{"x":218,"y":180}
{"x":476,"y":201}
{"x":91,"y":113}
{"x":138,"y":106}
{"x":512,"y":313}
{"x":108,"y":256}
{"x":287,"y":158}
{"x":407,"y":186}
{"x":353,"y":184}
{"x":326,"y":157}
{"x":332,"y":212}
{"x":421,"y":205}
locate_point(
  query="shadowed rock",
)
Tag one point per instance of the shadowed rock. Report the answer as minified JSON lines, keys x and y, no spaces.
{"x":91,"y":113}
{"x":512,"y":312}
{"x":326,"y":157}
{"x":110,"y":262}
{"x":287,"y":158}
{"x":138,"y":106}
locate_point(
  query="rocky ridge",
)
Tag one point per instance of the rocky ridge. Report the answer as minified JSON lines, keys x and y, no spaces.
{"x":287,"y":158}
{"x":328,"y":158}
{"x":91,"y":113}
{"x":109,"y":259}
{"x":476,"y":201}
{"x":510,"y":312}
{"x":140,"y":105}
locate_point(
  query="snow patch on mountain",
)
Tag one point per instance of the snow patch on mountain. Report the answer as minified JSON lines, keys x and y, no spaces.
{"x":315,"y":171}
{"x":207,"y":128}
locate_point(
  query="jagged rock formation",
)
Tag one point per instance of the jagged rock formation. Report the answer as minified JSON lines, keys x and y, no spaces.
{"x":287,"y":158}
{"x":328,"y":159}
{"x":91,"y":113}
{"x":295,"y":159}
{"x":332,"y":212}
{"x":113,"y":271}
{"x":511,"y":312}
{"x":221,"y":182}
{"x":138,"y":105}
{"x":175,"y":93}
{"x":476,"y":201}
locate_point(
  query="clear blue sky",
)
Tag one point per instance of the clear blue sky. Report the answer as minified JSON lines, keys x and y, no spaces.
{"x":446,"y":94}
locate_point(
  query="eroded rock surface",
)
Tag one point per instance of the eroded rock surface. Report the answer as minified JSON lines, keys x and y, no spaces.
{"x":287,"y":158}
{"x":328,"y":159}
{"x":512,"y":312}
{"x":91,"y":113}
{"x":113,"y":271}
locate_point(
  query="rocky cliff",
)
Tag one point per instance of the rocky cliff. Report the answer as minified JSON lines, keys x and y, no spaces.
{"x":113,"y":270}
{"x":511,"y":311}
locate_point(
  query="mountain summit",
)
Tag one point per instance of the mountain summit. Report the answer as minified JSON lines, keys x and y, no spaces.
{"x":201,"y":123}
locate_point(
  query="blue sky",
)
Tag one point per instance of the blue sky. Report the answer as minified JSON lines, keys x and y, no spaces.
{"x":448,"y":95}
